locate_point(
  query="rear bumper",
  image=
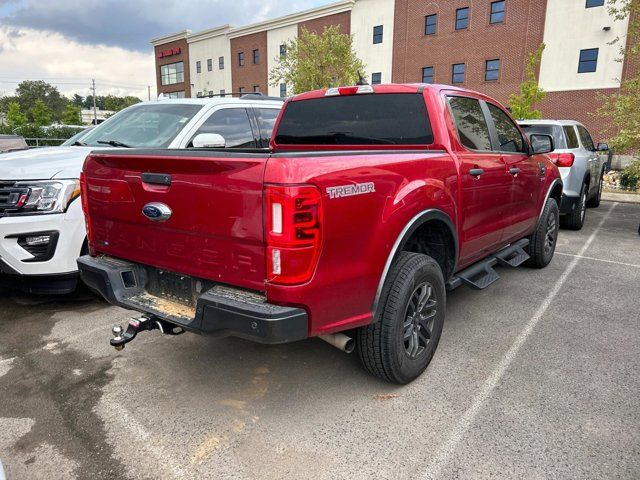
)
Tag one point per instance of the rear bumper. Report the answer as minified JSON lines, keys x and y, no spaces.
{"x":220,"y":310}
{"x":568,"y":204}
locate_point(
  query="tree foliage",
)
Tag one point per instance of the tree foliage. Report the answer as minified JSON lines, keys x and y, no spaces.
{"x":40,"y":114}
{"x":314,"y":61}
{"x":71,"y":115}
{"x":622,"y":109}
{"x":15,"y":117}
{"x":29,"y":91}
{"x":522,"y":104}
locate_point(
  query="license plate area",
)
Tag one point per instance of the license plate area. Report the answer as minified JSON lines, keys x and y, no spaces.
{"x":178,"y":288}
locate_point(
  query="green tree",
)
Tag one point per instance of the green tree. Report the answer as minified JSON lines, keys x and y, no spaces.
{"x":77,"y":100}
{"x":29,"y":91}
{"x":40,"y":113}
{"x":522,"y":104}
{"x":15,"y":117}
{"x":317,"y":61}
{"x":622,"y":109}
{"x":71,"y":115}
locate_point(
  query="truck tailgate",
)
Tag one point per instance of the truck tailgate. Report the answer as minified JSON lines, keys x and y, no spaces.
{"x":215,"y":227}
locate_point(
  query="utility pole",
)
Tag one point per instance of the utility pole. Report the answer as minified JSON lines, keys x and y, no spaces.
{"x":149,"y":91}
{"x":95,"y":114}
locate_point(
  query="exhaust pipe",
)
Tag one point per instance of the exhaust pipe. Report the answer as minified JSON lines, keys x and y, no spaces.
{"x":340,"y":341}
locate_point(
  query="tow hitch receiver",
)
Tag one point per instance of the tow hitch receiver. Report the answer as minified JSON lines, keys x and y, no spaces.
{"x":140,"y":324}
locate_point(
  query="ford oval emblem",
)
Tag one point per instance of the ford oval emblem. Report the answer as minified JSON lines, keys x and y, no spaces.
{"x":156,"y":211}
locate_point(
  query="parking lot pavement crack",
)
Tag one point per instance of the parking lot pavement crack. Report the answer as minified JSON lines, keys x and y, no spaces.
{"x":448,"y":448}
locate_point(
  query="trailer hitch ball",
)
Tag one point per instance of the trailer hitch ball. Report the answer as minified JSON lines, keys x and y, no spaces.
{"x":116,"y":330}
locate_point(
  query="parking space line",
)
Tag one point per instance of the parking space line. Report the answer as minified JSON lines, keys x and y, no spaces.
{"x":598,"y":259}
{"x":445,"y":452}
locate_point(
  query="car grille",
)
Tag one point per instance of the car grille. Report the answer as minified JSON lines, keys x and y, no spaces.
{"x":10,"y":196}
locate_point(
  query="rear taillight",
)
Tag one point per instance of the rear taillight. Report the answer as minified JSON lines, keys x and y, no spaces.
{"x":84,"y":198}
{"x":562,"y":159}
{"x":294,"y":221}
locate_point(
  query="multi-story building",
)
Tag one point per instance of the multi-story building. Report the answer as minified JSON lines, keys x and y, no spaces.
{"x":478,"y":44}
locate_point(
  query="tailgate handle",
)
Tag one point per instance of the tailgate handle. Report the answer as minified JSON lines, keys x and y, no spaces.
{"x":156,"y":178}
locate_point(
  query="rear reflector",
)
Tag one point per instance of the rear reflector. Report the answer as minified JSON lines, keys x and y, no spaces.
{"x":562,"y":159}
{"x":356,"y":89}
{"x":84,"y":199}
{"x":294,"y":218}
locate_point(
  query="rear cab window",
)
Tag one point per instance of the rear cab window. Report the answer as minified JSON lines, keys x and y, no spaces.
{"x":361,"y":119}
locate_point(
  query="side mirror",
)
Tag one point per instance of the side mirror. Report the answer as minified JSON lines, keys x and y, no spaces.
{"x":209,"y":140}
{"x":602,"y":147}
{"x":541,"y":143}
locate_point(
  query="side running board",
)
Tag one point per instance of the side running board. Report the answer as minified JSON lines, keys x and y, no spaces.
{"x":481,"y":274}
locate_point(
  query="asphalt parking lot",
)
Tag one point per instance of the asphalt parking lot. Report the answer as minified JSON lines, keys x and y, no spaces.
{"x":535,"y":377}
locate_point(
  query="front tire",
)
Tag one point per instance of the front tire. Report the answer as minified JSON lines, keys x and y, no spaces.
{"x":399,"y":346}
{"x":542,"y":244}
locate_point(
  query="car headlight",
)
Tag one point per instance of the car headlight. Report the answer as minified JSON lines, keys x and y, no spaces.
{"x":48,"y":196}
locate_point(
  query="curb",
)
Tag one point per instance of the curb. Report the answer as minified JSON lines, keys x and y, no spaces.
{"x":621,"y":197}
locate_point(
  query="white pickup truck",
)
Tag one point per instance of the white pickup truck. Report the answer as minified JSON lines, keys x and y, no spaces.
{"x":42,"y":229}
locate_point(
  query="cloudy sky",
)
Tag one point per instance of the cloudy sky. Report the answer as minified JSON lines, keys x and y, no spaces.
{"x":69,"y":42}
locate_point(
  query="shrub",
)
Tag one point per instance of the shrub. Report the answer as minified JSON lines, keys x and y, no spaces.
{"x":630,"y":178}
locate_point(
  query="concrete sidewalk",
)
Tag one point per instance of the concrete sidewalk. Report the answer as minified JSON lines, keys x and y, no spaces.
{"x":621,"y":197}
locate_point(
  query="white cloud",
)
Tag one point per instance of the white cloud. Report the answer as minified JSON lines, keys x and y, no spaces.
{"x":27,"y":54}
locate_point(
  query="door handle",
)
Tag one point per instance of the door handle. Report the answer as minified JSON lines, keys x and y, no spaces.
{"x":476,"y":172}
{"x":514,"y":171}
{"x":156,"y":178}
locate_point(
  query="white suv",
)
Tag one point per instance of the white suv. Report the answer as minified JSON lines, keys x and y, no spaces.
{"x":42,"y":229}
{"x":579,"y":163}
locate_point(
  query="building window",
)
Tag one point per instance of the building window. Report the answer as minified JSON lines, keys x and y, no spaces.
{"x":175,"y":94}
{"x":172,"y":73}
{"x":462,"y":18}
{"x":427,"y":75}
{"x":457,"y":73}
{"x":256,"y":56}
{"x":221,"y":63}
{"x":377,"y":34}
{"x":376,"y":78}
{"x":283,"y":50}
{"x":283,"y":90}
{"x":492,"y":70}
{"x":431,"y":24}
{"x":241,"y":90}
{"x":594,"y":3}
{"x":256,"y":88}
{"x":198,"y":67}
{"x":588,"y":60}
{"x":211,"y":93}
{"x":209,"y":64}
{"x":222,"y":93}
{"x":241,"y":59}
{"x":497,"y":12}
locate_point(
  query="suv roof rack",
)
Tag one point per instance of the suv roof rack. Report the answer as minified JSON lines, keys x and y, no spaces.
{"x":247,"y":95}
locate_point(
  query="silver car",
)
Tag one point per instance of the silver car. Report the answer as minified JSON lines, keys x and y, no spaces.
{"x":579,"y":163}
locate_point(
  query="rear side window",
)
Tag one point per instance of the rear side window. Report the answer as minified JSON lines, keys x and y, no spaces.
{"x":375,"y":119}
{"x":555,"y":131}
{"x":585,"y":138}
{"x":267,"y":117}
{"x":570,"y":135}
{"x":509,"y":137}
{"x":470,"y":123}
{"x":233,"y":124}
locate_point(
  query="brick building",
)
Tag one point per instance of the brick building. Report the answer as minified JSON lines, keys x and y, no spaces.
{"x":478,"y":44}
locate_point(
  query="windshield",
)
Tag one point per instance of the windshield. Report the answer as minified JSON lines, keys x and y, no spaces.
{"x":147,"y":125}
{"x":77,"y":137}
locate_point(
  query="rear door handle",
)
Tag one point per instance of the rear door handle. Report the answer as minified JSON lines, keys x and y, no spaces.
{"x":156,"y":178}
{"x":476,"y":172}
{"x":514,"y":171}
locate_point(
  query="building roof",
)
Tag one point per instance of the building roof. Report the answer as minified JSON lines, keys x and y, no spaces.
{"x":172,"y":37}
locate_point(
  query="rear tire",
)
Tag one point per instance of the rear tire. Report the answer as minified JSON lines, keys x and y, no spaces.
{"x":595,"y":201}
{"x":542,"y":244}
{"x":399,"y":346}
{"x":575,"y":219}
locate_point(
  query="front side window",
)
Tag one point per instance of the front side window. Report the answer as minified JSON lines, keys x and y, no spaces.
{"x":377,"y":34}
{"x":497,"y":12}
{"x":380,"y":119}
{"x":509,"y":137}
{"x":586,"y":139}
{"x":221,"y":63}
{"x":233,"y":124}
{"x":570,"y":135}
{"x":147,"y":125}
{"x":172,"y":73}
{"x":470,"y":123}
{"x":588,"y":60}
{"x":462,"y":18}
{"x":198,"y":67}
{"x":209,"y":64}
{"x":256,"y":56}
{"x":457,"y":73}
{"x":427,"y":75}
{"x":492,"y":70}
{"x":431,"y":24}
{"x":376,"y":78}
{"x":241,"y":59}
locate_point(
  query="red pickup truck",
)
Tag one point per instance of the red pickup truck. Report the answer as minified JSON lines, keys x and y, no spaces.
{"x":370,"y":203}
